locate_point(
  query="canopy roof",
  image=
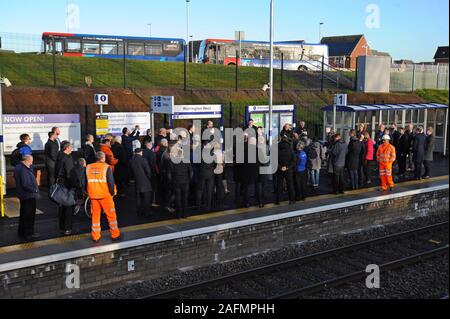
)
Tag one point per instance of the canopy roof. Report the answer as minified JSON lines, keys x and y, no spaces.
{"x":385,"y":107}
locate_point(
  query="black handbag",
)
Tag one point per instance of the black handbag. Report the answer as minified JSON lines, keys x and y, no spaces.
{"x":62,"y":196}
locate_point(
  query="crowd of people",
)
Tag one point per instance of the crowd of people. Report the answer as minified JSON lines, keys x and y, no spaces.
{"x":164,"y":180}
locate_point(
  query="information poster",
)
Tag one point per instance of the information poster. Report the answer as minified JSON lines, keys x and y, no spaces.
{"x":38,"y":126}
{"x":118,"y":121}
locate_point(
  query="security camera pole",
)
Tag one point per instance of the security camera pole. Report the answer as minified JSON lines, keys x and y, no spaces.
{"x":271,"y":75}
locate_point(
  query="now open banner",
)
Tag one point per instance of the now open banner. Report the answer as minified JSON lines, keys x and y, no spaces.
{"x":38,"y":126}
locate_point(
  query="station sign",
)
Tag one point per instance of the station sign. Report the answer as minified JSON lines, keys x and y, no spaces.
{"x":206,"y":111}
{"x":162,"y":104}
{"x":340,"y":100}
{"x":265,"y":108}
{"x":102,"y":125}
{"x":117,"y":121}
{"x":101,"y":99}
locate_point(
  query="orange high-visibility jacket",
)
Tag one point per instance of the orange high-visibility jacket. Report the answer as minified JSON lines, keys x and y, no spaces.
{"x":100,"y":181}
{"x":110,"y":159}
{"x":386,"y":154}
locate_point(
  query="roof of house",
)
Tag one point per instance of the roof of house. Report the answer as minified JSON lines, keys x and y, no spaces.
{"x":379,"y":53}
{"x":403,"y":61}
{"x":441,"y":53}
{"x":342,"y":45}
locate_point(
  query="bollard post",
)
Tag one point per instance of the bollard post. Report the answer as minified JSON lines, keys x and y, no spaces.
{"x":54,"y":62}
{"x":124,"y":68}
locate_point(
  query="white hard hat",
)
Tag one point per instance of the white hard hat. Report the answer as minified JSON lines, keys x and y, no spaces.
{"x":386,"y":138}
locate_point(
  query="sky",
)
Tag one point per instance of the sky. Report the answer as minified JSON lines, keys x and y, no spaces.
{"x":407,"y":29}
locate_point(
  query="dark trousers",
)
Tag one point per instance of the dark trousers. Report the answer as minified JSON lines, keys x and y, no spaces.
{"x":260,"y":188}
{"x":220,"y":190}
{"x":143,"y":203}
{"x":65,"y":218}
{"x":354,"y":177}
{"x":418,"y":170}
{"x":27,"y":217}
{"x":427,"y":165}
{"x":402,"y":164}
{"x":245,"y":188}
{"x":51,"y":177}
{"x":287,"y":176}
{"x":339,"y":180}
{"x":181,"y":198}
{"x":205,"y":188}
{"x":301,"y":184}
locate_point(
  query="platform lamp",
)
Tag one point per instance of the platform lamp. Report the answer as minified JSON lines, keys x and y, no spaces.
{"x":7,"y":83}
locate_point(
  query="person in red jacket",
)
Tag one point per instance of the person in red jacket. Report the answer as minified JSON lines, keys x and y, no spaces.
{"x":105,"y":147}
{"x":370,"y":153}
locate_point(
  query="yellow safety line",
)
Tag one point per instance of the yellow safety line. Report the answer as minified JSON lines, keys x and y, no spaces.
{"x":196,"y":218}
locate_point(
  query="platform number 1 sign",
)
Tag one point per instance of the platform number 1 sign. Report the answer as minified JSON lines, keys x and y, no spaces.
{"x":340,"y":100}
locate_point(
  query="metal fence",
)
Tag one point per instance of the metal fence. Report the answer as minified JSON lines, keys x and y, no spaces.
{"x":411,"y":77}
{"x":20,"y":42}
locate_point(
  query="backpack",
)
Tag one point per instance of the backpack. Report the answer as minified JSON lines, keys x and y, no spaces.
{"x":16,"y":157}
{"x":312,"y":152}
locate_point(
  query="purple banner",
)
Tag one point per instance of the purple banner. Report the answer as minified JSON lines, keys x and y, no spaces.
{"x":40,"y":118}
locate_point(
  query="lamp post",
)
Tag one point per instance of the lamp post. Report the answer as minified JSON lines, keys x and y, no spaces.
{"x":187,"y":21}
{"x":6,"y":82}
{"x":271,"y":73}
{"x":191,"y":45}
{"x":150,"y":29}
{"x":320,"y":31}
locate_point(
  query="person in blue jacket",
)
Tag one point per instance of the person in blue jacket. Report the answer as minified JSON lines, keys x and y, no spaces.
{"x":301,"y":173}
{"x":28,"y":193}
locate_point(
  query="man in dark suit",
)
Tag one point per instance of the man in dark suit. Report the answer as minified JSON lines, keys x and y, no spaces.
{"x":429,"y":152}
{"x":142,"y":175}
{"x":51,"y":155}
{"x":28,"y":192}
{"x":419,"y":152}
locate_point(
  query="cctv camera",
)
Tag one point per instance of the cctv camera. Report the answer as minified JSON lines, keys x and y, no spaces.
{"x":266,"y":87}
{"x":6,"y":82}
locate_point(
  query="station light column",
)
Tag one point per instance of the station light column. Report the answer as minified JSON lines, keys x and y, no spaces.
{"x":271,"y":74}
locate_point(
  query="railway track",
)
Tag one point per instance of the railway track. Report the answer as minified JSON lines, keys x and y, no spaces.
{"x":305,"y":276}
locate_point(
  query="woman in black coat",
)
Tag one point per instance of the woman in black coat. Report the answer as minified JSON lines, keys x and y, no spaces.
{"x":64,"y":166}
{"x":356,"y":151}
{"x":250,"y":170}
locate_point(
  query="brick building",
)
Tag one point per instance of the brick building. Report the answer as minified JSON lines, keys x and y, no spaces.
{"x":344,"y":50}
{"x":441,"y":56}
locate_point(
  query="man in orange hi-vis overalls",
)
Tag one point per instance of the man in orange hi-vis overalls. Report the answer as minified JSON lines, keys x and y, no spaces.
{"x":101,"y":190}
{"x":386,"y":156}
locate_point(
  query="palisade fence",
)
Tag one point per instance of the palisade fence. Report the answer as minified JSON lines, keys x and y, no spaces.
{"x":411,"y":77}
{"x":30,"y":68}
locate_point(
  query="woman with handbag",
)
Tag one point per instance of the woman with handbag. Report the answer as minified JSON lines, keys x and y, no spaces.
{"x":64,"y":166}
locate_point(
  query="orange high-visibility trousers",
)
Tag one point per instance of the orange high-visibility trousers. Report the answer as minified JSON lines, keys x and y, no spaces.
{"x":107,"y":205}
{"x":386,"y":176}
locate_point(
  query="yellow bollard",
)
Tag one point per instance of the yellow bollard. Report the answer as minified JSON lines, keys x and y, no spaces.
{"x":2,"y":200}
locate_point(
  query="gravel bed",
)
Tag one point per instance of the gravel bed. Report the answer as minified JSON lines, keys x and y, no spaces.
{"x":426,"y":280}
{"x":146,"y":287}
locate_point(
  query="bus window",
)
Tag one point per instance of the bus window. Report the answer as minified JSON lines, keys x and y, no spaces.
{"x":172,"y":47}
{"x":73,"y":46}
{"x":91,"y":47}
{"x":136,"y":49}
{"x":109,"y":48}
{"x":153,"y":49}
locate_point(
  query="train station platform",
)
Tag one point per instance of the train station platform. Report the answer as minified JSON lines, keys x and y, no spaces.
{"x":40,"y":269}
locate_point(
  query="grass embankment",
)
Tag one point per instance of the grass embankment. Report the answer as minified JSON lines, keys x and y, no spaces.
{"x":37,"y":70}
{"x":434,"y":96}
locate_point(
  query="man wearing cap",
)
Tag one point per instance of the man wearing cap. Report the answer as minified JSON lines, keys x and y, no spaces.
{"x":386,"y":156}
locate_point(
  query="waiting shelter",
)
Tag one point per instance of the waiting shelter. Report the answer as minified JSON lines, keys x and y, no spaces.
{"x":372,"y":115}
{"x":282,"y":114}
